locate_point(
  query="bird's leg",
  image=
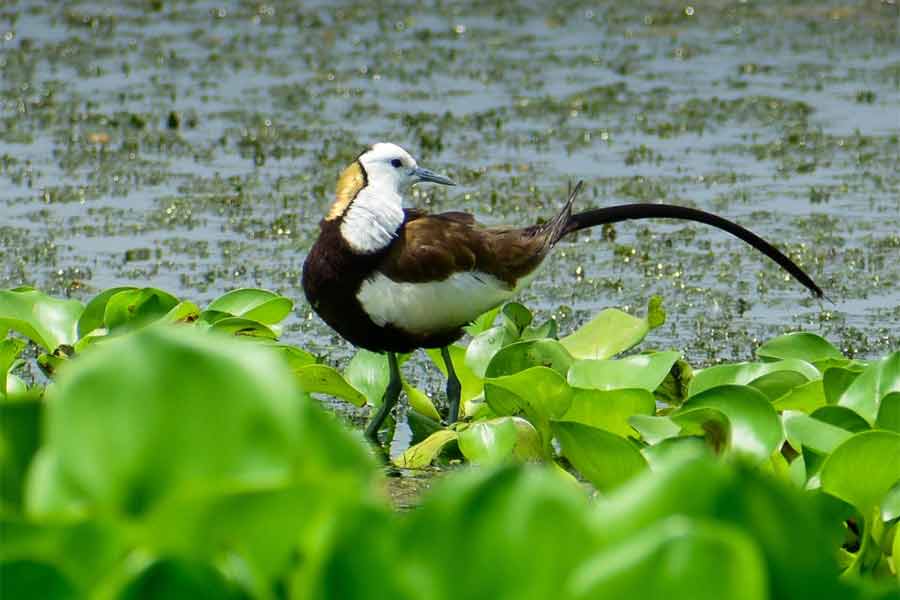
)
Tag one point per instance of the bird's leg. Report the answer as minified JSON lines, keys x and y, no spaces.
{"x":454,"y":389}
{"x":391,"y":394}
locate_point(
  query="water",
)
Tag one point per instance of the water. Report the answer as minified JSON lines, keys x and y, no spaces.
{"x":194,"y":147}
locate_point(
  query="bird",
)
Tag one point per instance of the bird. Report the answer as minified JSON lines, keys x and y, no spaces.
{"x":391,"y":279}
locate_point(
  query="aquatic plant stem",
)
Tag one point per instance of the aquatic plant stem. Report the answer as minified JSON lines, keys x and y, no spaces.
{"x":454,"y":388}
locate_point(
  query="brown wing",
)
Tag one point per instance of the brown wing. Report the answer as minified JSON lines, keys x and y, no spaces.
{"x":433,"y":247}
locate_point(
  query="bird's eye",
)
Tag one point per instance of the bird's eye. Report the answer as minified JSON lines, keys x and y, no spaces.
{"x":396,"y":163}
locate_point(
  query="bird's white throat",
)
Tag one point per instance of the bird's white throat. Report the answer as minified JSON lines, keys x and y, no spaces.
{"x":373,"y":219}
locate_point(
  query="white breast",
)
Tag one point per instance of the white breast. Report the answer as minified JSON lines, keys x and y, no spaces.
{"x":433,"y":306}
{"x":372,"y":220}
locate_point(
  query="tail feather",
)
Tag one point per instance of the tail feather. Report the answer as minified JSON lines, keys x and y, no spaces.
{"x":558,"y":226}
{"x":625,"y":212}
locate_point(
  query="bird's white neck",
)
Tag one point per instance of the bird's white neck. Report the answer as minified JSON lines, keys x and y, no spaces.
{"x":374,"y":217}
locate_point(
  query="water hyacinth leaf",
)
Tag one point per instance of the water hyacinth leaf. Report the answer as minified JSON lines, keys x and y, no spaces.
{"x":183,"y":312}
{"x":471,"y":384}
{"x":806,"y":397}
{"x":842,"y":417}
{"x":471,"y":515}
{"x":322,"y":379}
{"x":803,"y":431}
{"x":239,"y":326}
{"x":10,"y":348}
{"x":610,"y":410}
{"x":293,"y":356}
{"x":500,"y":439}
{"x":32,"y":579}
{"x":836,"y":380}
{"x":483,"y":347}
{"x":48,"y":322}
{"x":746,"y":372}
{"x":878,"y":380}
{"x":254,"y":304}
{"x":368,"y":372}
{"x":777,"y":384}
{"x":801,"y":345}
{"x":425,"y":452}
{"x":612,"y":332}
{"x":540,"y":392}
{"x":547,"y":330}
{"x":707,"y":422}
{"x":755,"y":427}
{"x":644,"y":371}
{"x":236,"y":417}
{"x":890,"y":506}
{"x":677,"y":559}
{"x":654,"y":429}
{"x":517,"y":315}
{"x":522,"y":355}
{"x":420,"y":402}
{"x":137,"y":308}
{"x":889,"y":412}
{"x":863,"y":469}
{"x":20,"y":436}
{"x":179,"y":578}
{"x":484,"y":322}
{"x":603,"y":458}
{"x":674,"y":388}
{"x":93,"y":316}
{"x":674,"y":449}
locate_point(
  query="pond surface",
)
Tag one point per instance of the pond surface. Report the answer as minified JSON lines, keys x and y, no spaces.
{"x":194,"y":146}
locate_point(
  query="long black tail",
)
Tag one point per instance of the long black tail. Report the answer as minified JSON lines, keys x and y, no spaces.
{"x":627,"y":212}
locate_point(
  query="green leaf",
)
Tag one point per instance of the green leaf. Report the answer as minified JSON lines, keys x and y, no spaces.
{"x":484,"y":322}
{"x":603,"y":458}
{"x":48,"y":322}
{"x":540,"y":392}
{"x":677,"y":559}
{"x":801,"y":345}
{"x":654,"y":429}
{"x":777,"y":384}
{"x":612,"y":332}
{"x":806,"y":397}
{"x":610,"y":410}
{"x":472,"y":384}
{"x":519,"y":356}
{"x":241,"y":327}
{"x":517,"y":316}
{"x":423,"y":454}
{"x":889,"y":412}
{"x":878,"y":380}
{"x":708,"y":422}
{"x":254,"y":304}
{"x":183,"y":312}
{"x":755,"y":427}
{"x":746,"y":373}
{"x":863,"y":469}
{"x":484,"y":346}
{"x":10,"y":348}
{"x":20,"y":436}
{"x":368,"y":372}
{"x":133,"y":309}
{"x":31,"y":579}
{"x":167,"y":412}
{"x":295,"y":357}
{"x":178,"y":578}
{"x":644,"y":371}
{"x":420,"y":402}
{"x":842,"y":417}
{"x":500,"y":439}
{"x":803,"y":431}
{"x":322,"y":379}
{"x":92,"y":317}
{"x":836,"y":380}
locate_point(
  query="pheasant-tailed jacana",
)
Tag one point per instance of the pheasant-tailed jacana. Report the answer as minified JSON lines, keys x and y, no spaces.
{"x":393,"y":279}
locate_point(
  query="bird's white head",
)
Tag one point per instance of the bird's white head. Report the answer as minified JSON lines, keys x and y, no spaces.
{"x":370,"y":195}
{"x":390,"y":167}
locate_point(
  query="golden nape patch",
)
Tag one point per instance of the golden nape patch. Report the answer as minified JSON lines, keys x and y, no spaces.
{"x":352,"y":180}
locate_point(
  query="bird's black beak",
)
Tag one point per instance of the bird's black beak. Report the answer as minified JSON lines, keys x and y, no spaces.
{"x":425,"y":175}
